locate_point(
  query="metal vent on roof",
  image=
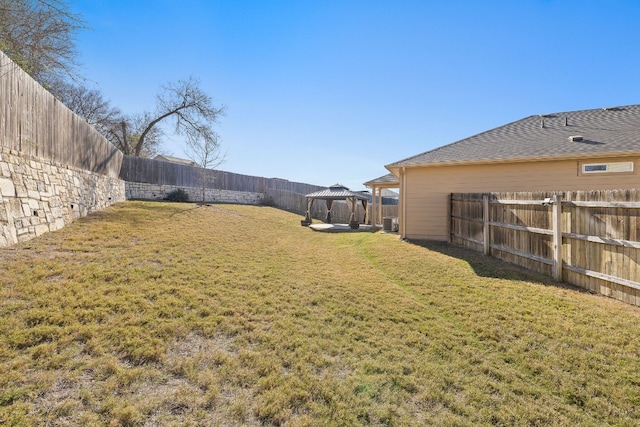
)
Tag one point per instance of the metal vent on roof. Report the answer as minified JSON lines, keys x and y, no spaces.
{"x":576,"y":138}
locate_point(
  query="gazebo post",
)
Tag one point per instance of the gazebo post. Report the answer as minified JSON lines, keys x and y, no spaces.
{"x":307,"y":218}
{"x":379,"y":205}
{"x":353,"y":221}
{"x":366,"y":216}
{"x":372,"y":215}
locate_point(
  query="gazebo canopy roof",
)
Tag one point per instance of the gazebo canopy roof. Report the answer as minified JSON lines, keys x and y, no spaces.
{"x":337,"y":192}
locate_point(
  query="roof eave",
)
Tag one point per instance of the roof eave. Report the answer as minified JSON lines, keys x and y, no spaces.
{"x":383,"y":182}
{"x":372,"y":184}
{"x":395,"y":167}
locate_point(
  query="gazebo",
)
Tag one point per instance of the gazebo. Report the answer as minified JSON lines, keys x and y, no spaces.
{"x":337,"y":192}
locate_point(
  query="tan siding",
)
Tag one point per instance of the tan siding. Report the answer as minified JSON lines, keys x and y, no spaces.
{"x":428,"y":188}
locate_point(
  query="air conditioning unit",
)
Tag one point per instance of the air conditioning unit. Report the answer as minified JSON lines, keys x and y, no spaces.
{"x":390,"y":224}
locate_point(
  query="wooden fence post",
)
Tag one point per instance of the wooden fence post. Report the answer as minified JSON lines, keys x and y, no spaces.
{"x":450,"y":216}
{"x":485,"y":219}
{"x":557,"y":237}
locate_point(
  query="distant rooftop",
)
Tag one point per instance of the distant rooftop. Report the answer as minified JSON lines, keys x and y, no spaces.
{"x":171,"y":159}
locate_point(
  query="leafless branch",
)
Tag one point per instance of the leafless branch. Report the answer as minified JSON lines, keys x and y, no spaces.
{"x":205,"y":150}
{"x":189,"y":106}
{"x":38,"y":35}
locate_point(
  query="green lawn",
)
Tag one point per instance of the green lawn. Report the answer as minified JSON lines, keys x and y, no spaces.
{"x":173,"y":314}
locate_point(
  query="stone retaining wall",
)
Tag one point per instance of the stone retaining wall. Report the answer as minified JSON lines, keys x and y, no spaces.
{"x":144,"y":191}
{"x":39,"y":195}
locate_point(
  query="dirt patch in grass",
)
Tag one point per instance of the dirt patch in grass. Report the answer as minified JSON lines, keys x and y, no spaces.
{"x":178,"y":314}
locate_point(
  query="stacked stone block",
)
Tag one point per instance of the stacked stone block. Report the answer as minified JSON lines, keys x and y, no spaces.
{"x":38,"y":195}
{"x":144,"y":191}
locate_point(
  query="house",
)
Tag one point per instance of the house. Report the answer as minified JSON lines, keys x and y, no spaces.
{"x":177,"y":160}
{"x":596,"y":149}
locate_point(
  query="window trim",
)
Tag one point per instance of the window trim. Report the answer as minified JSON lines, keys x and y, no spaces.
{"x":608,"y":168}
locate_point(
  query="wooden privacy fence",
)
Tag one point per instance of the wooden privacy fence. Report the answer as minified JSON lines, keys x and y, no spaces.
{"x":340,"y":212}
{"x":138,"y":169}
{"x":586,"y":238}
{"x":35,"y":123}
{"x":281,"y":193}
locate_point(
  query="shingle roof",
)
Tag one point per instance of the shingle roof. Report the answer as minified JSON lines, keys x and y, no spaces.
{"x":603,"y":131}
{"x":337,"y":192}
{"x":388,"y":179}
{"x":172,"y":159}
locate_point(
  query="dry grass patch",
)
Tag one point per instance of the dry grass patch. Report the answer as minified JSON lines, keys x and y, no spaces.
{"x":173,"y":314}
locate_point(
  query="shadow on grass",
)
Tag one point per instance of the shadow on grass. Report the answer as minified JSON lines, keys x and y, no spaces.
{"x":487,"y":266}
{"x":155,"y":206}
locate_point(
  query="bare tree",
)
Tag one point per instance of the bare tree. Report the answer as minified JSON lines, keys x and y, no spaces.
{"x":204,"y":150}
{"x":190,"y":108}
{"x":38,"y":35}
{"x":88,"y":104}
{"x":121,"y":130}
{"x":141,"y":134}
{"x":125,"y":135}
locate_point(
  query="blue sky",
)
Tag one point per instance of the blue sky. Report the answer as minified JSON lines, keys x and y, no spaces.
{"x":330,"y":91}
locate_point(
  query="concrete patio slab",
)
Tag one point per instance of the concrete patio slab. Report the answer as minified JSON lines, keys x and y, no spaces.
{"x":342,"y":228}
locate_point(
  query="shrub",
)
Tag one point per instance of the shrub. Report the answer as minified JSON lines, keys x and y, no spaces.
{"x":268,"y":201}
{"x":177,"y":195}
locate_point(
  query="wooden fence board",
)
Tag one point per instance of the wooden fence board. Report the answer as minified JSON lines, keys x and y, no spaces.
{"x":600,"y":233}
{"x":34,"y":123}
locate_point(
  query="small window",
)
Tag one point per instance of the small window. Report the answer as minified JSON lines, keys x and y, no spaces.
{"x":594,"y":168}
{"x":614,"y":167}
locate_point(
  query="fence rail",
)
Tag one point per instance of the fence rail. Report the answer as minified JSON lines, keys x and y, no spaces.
{"x":587,"y":238}
{"x":35,"y":123}
{"x":137,"y":169}
{"x":281,"y":193}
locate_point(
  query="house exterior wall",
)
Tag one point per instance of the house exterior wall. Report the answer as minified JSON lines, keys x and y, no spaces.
{"x":424,"y":209}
